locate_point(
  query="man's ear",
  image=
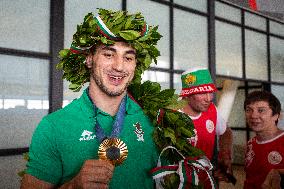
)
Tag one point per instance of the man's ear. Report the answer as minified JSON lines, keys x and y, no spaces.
{"x":89,"y":61}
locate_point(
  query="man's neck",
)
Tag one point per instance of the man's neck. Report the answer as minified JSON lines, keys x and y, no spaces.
{"x":104,"y":102}
{"x":189,"y":111}
{"x":268,"y":135}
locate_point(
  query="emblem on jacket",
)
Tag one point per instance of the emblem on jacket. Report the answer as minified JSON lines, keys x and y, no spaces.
{"x":210,"y":126}
{"x":87,"y":135}
{"x":274,"y":158}
{"x":138,"y":131}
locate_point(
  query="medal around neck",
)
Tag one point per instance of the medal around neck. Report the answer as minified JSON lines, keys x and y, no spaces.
{"x":113,"y":150}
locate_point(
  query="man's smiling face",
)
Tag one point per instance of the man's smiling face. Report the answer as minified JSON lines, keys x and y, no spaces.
{"x":112,"y":68}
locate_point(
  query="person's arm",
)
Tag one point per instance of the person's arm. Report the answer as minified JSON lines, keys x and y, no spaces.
{"x":225,"y":157}
{"x":31,"y":182}
{"x":225,"y":144}
{"x":93,"y":174}
{"x":225,"y":137}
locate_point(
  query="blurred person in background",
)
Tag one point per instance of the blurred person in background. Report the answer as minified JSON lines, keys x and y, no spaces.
{"x":198,"y":90}
{"x":264,"y":160}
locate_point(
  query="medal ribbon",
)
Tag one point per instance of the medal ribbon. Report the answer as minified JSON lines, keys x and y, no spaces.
{"x":117,"y":125}
{"x":187,"y":169}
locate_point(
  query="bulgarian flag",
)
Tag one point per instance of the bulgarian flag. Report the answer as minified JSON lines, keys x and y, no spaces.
{"x":253,"y":4}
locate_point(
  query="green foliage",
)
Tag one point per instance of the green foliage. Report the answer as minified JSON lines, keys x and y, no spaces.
{"x":173,"y":128}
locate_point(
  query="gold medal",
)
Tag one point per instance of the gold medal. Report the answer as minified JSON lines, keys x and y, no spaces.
{"x":114,"y":150}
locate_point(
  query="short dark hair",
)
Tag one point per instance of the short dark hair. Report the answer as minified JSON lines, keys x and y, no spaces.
{"x":266,"y":96}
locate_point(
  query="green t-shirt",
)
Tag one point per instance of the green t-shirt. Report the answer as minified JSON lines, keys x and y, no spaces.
{"x":66,"y":138}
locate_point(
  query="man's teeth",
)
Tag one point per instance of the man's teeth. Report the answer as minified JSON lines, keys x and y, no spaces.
{"x":116,"y":77}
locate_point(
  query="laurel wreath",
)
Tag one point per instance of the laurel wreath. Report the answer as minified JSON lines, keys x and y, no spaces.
{"x":127,"y":27}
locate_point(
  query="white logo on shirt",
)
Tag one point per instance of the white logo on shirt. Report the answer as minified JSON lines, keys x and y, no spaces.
{"x":138,"y":131}
{"x":274,"y":157}
{"x":87,"y":135}
{"x":209,"y":126}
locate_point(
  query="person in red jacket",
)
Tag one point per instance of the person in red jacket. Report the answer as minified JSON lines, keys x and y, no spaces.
{"x":264,"y":161}
{"x":198,"y":89}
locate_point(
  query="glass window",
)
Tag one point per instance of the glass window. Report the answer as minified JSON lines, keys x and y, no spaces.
{"x":149,"y":10}
{"x":276,"y":28}
{"x":239,"y":146}
{"x":177,"y":83}
{"x":24,"y":98}
{"x":228,"y":12}
{"x":228,"y":50}
{"x":251,"y":134}
{"x":190,"y":40}
{"x":161,"y":77}
{"x":237,"y":115}
{"x":9,"y":167}
{"x":255,"y":21}
{"x":252,"y":86}
{"x":256,"y":55}
{"x":277,"y":59}
{"x":200,"y":5}
{"x":69,"y":95}
{"x":25,"y":25}
{"x":278,"y":91}
{"x":76,"y":10}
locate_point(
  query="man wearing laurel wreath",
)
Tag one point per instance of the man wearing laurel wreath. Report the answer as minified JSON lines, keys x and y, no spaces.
{"x":197,"y":90}
{"x":96,"y":141}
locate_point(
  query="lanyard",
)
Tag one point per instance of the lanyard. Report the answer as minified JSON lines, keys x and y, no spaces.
{"x":117,"y":125}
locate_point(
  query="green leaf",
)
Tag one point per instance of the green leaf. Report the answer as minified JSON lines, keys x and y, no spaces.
{"x":186,"y":131}
{"x":128,"y":21}
{"x":104,"y":40}
{"x":83,"y":40}
{"x":26,"y":156}
{"x":169,"y":132}
{"x":171,"y":116}
{"x":147,"y":61}
{"x":144,"y":38}
{"x":74,"y":86}
{"x":129,"y":34}
{"x":22,"y":173}
{"x":119,"y":20}
{"x":63,"y":53}
{"x":60,"y":65}
{"x":167,"y":93}
{"x":175,"y":104}
{"x":92,"y":23}
{"x":117,"y":15}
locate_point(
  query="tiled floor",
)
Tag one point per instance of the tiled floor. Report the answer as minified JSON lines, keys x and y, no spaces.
{"x":239,"y":173}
